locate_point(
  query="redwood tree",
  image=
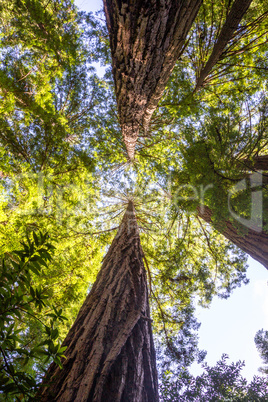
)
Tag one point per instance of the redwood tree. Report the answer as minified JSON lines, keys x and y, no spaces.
{"x":253,"y":243}
{"x":110,"y":353}
{"x":146,"y":39}
{"x":238,"y":9}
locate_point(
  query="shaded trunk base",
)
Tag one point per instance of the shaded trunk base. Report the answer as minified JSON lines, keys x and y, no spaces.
{"x":132,"y":368}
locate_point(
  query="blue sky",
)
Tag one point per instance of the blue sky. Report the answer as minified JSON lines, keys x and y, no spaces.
{"x":89,"y":5}
{"x":229,"y":326}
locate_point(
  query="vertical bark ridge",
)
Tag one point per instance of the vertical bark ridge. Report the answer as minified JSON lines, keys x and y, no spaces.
{"x":146,"y":38}
{"x":238,"y":10}
{"x":110,"y":354}
{"x":253,"y":243}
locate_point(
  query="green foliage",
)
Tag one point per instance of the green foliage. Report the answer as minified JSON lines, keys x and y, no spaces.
{"x":187,"y":261}
{"x":261,"y":342}
{"x":189,"y":264}
{"x":39,"y":40}
{"x":65,"y":207}
{"x":22,"y":299}
{"x":222,"y":382}
{"x":51,"y":99}
{"x":64,"y":172}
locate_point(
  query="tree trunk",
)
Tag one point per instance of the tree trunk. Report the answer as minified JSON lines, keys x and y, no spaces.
{"x":110,"y":354}
{"x":253,"y":243}
{"x":256,"y":163}
{"x":233,"y":19}
{"x":146,"y":39}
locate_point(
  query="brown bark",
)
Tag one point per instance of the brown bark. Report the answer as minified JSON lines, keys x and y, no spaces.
{"x":256,"y":163}
{"x":233,"y":19}
{"x":146,"y":38}
{"x":110,"y":354}
{"x":253,"y":243}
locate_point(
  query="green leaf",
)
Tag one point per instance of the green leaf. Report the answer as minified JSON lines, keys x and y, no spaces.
{"x":36,"y":239}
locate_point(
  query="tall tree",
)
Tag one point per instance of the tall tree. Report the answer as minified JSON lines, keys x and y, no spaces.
{"x":146,"y":39}
{"x":106,"y":346}
{"x":220,"y":158}
{"x":233,"y":19}
{"x":249,"y":240}
{"x":110,"y":354}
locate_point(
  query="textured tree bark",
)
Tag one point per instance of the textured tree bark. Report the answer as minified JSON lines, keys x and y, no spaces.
{"x":146,"y":39}
{"x":253,"y":243}
{"x":257,"y":163}
{"x":110,"y":354}
{"x":233,"y":19}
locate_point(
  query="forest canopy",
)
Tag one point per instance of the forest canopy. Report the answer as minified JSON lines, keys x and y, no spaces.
{"x":176,"y":128}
